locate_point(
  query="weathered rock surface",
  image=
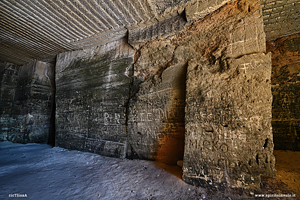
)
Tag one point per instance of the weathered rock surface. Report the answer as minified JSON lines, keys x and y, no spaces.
{"x":156,"y":117}
{"x":32,"y":104}
{"x":229,"y":101}
{"x":29,"y":104}
{"x":199,"y":9}
{"x":153,"y":59}
{"x":228,"y":139}
{"x":196,"y":87}
{"x":208,"y":85}
{"x":91,"y":98}
{"x":281,"y":18}
{"x":139,"y":35}
{"x":285,"y":90}
{"x":8,"y":82}
{"x":228,"y":123}
{"x":173,"y":17}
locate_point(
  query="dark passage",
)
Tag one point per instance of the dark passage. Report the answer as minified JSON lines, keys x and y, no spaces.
{"x":171,"y":149}
{"x":51,"y":136}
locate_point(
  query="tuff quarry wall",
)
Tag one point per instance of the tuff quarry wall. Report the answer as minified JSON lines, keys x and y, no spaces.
{"x":192,"y":83}
{"x":203,"y":95}
{"x":228,"y":137}
{"x":92,"y":94}
{"x":285,"y":90}
{"x":156,"y":111}
{"x":8,"y":82}
{"x":27,"y":96}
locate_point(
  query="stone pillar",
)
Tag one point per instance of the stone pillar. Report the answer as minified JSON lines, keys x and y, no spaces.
{"x":229,"y":141}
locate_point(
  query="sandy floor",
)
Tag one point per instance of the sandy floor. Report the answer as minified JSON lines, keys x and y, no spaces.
{"x":287,"y":179}
{"x":288,"y":169}
{"x":42,"y":172}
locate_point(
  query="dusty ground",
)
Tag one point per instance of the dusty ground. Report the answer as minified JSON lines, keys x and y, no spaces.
{"x":42,"y":172}
{"x":288,"y":173}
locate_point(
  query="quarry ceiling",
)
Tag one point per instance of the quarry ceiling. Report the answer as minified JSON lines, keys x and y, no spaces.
{"x":40,"y":29}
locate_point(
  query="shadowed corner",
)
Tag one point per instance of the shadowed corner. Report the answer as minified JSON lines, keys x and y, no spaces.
{"x":175,"y":170}
{"x":51,"y":134}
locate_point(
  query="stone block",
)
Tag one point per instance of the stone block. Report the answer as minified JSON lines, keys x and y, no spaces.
{"x":8,"y":82}
{"x":228,"y":141}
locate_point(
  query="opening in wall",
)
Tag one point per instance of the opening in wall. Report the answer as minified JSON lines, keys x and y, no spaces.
{"x":170,"y":150}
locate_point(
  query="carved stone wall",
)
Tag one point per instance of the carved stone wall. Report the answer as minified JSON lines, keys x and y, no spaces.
{"x":285,"y":90}
{"x":228,"y":123}
{"x":228,"y":140}
{"x":31,"y":88}
{"x":191,"y":83}
{"x":156,"y":117}
{"x":209,"y":86}
{"x":92,"y":92}
{"x":8,"y":82}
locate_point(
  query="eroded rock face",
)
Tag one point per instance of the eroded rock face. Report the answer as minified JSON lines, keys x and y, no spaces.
{"x":171,"y":17}
{"x":92,"y":95}
{"x":33,"y":102}
{"x":285,"y":90}
{"x":209,"y":84}
{"x":228,"y":139}
{"x":201,"y":94}
{"x":156,"y":117}
{"x":139,"y":35}
{"x":8,"y":82}
{"x":153,"y":59}
{"x":199,"y":9}
{"x":228,"y":123}
{"x":31,"y":90}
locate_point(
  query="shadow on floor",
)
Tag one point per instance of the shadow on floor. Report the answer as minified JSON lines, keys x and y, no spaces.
{"x":287,"y":179}
{"x":172,"y":169}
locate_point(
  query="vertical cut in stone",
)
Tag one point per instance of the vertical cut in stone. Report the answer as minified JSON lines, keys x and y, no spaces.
{"x":156,"y":117}
{"x":91,"y":97}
